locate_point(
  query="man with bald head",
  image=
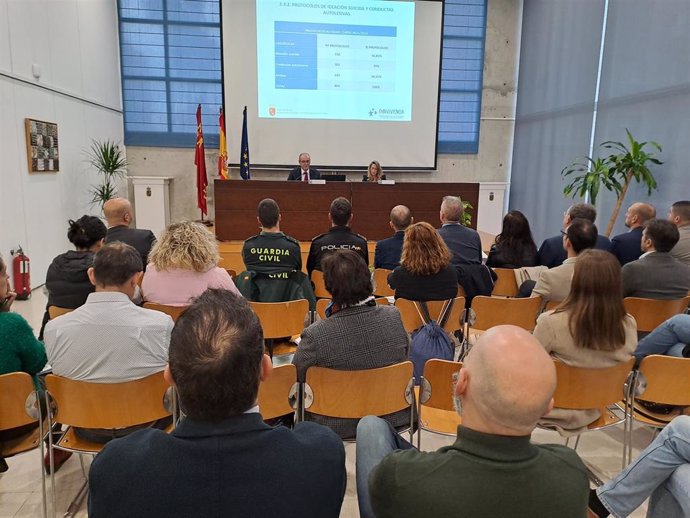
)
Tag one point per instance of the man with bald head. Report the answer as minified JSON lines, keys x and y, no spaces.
{"x":627,"y":247}
{"x":504,"y":387}
{"x":118,"y":213}
{"x":388,"y":251}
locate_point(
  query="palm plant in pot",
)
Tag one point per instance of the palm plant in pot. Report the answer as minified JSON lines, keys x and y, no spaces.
{"x":109,"y":160}
{"x":628,"y":161}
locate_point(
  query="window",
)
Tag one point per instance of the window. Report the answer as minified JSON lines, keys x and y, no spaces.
{"x":170,"y":59}
{"x":464,"y":30}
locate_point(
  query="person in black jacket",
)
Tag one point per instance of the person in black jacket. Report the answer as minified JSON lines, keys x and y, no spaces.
{"x":67,"y":281}
{"x":303,"y":172}
{"x":118,"y":213}
{"x":515,"y":247}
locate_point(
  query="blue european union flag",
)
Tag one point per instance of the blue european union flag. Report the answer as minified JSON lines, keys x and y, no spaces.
{"x":245,"y":169}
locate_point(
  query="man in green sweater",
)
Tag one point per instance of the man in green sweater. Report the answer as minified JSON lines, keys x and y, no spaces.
{"x":492,"y":470}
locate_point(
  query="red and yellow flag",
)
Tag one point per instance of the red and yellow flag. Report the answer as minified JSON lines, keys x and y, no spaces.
{"x":200,"y":162}
{"x":222,"y":149}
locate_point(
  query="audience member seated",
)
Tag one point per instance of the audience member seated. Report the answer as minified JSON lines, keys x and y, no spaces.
{"x":554,"y":284}
{"x":679,"y":215}
{"x":515,"y":247}
{"x":374,"y":173}
{"x":463,"y":242}
{"x":425,"y":272}
{"x":222,"y":459}
{"x":339,"y":236}
{"x":589,"y":329}
{"x":657,"y":274}
{"x":19,"y":349}
{"x":118,"y":213}
{"x":627,"y":247}
{"x":183,"y":264}
{"x":662,"y":472}
{"x":66,"y":280}
{"x":551,"y":252}
{"x":303,"y":172}
{"x":671,"y":338}
{"x":358,"y":333}
{"x":388,"y":251}
{"x":492,"y":470}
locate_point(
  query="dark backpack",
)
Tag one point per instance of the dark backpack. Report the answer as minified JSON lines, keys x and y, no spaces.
{"x":431,"y":340}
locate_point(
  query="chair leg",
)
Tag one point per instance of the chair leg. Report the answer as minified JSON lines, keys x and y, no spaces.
{"x":567,"y":440}
{"x":577,"y":441}
{"x":78,"y":500}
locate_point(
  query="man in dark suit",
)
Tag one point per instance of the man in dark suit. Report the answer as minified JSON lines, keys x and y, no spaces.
{"x":303,"y":172}
{"x":627,"y":247}
{"x":222,"y":459}
{"x":464,"y":242}
{"x":551,"y":251}
{"x":118,"y":213}
{"x":657,"y":274}
{"x":388,"y":251}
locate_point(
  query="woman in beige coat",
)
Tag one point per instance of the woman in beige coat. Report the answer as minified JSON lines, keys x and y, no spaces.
{"x":589,"y":329}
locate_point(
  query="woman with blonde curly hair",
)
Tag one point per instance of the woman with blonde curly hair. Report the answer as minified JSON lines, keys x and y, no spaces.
{"x":182,"y":265}
{"x":425,"y":271}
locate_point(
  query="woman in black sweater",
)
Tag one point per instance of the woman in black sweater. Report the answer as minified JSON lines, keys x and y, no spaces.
{"x":514,"y":246}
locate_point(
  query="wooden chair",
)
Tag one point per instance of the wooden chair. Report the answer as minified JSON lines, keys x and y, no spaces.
{"x":487,"y":240}
{"x":650,"y":313}
{"x":173,"y":311}
{"x":85,"y":404}
{"x":232,"y":273}
{"x":57,"y":311}
{"x":552,"y":304}
{"x":320,"y":290}
{"x":436,"y":410}
{"x":381,"y":288}
{"x":322,"y":304}
{"x":580,"y":388}
{"x":279,"y":393}
{"x":281,"y":320}
{"x":495,"y":311}
{"x":412,"y":318}
{"x":505,"y":285}
{"x":355,"y":394}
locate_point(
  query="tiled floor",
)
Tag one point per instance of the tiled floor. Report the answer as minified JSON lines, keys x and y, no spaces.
{"x":20,"y":487}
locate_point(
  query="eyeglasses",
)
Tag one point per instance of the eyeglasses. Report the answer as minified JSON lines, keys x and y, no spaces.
{"x":564,"y":233}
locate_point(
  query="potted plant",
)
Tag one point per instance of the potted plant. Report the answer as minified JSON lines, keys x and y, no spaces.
{"x":628,"y":161}
{"x":109,"y":160}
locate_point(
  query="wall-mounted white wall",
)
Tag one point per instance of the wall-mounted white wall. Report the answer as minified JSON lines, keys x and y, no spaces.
{"x":74,"y":45}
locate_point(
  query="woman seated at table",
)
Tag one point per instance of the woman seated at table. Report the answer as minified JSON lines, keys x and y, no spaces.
{"x":589,"y":329}
{"x":358,"y":334}
{"x":425,"y":272}
{"x":182,"y":265}
{"x":374,"y":173}
{"x":515,"y":247}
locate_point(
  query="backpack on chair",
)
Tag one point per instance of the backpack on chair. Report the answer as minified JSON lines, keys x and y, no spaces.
{"x":431,"y":341}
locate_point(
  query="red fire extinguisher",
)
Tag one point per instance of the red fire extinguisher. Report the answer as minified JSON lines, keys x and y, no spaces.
{"x":21,"y":272}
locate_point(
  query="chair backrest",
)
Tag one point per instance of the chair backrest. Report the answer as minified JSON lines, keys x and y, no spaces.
{"x":580,"y":388}
{"x":650,"y":313}
{"x":381,"y":288}
{"x":173,"y":311}
{"x":232,"y":273}
{"x":322,"y":304}
{"x":355,"y":394}
{"x":320,"y":290}
{"x":487,"y":240}
{"x":505,"y":285}
{"x":56,"y":311}
{"x":281,"y":319}
{"x":108,"y":405}
{"x":667,"y":380}
{"x":552,"y":304}
{"x":277,"y":393}
{"x":15,"y":388}
{"x":495,"y":311}
{"x":438,"y":384}
{"x":412,"y":319}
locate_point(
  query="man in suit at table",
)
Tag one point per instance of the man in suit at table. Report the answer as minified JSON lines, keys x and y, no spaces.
{"x":118,"y":213}
{"x":388,"y":251}
{"x":657,"y":274}
{"x":303,"y":172}
{"x":222,"y":459}
{"x":627,"y":247}
{"x":551,"y":251}
{"x":464,"y":242}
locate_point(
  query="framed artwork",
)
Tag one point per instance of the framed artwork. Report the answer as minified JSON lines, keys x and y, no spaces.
{"x":42,"y":146}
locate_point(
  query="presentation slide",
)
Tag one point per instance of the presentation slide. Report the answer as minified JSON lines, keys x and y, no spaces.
{"x":347,"y":81}
{"x":349,"y":61}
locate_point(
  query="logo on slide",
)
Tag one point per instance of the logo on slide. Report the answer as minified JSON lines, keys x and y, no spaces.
{"x":372,"y":112}
{"x":272,"y":111}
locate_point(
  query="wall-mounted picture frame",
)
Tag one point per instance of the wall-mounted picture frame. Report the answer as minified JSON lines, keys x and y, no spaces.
{"x":42,"y":146}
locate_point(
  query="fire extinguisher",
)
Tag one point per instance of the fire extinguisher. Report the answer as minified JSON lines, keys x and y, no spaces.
{"x":21,"y":272}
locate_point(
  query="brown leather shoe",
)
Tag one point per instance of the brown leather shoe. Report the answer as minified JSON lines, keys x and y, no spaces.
{"x":59,"y":458}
